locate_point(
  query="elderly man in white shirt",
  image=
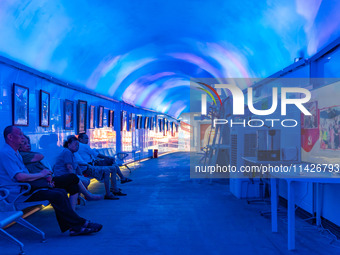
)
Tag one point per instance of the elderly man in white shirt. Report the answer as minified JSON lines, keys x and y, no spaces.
{"x":13,"y":170}
{"x":101,"y":173}
{"x":90,"y":155}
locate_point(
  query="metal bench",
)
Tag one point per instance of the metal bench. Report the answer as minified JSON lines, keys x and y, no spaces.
{"x":11,"y":212}
{"x":120,"y":157}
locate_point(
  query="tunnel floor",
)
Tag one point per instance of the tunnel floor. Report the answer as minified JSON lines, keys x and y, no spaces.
{"x":166,"y":212}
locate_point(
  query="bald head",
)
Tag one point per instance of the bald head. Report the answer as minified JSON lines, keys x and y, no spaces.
{"x":13,"y":137}
{"x":7,"y":131}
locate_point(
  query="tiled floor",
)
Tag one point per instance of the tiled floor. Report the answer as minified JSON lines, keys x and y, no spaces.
{"x":166,"y":212}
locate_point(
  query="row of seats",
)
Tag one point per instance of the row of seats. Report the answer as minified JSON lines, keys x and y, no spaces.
{"x":12,"y":211}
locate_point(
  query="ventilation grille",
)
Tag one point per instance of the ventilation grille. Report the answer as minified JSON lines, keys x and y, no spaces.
{"x":234,"y":150}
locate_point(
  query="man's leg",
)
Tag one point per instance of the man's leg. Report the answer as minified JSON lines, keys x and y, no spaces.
{"x":107,"y":182}
{"x":119,"y":173}
{"x":66,"y":217}
{"x":88,"y":195}
{"x":68,"y":182}
{"x":113,"y":171}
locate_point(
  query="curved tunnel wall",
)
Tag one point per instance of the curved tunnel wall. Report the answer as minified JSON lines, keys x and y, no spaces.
{"x":49,"y":139}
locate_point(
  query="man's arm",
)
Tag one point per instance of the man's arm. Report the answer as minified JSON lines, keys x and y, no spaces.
{"x":37,"y":157}
{"x":70,"y":168}
{"x":24,"y":177}
{"x":103,"y":156}
{"x":31,"y":157}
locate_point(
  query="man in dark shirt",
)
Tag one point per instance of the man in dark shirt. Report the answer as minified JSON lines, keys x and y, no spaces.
{"x":13,"y":170}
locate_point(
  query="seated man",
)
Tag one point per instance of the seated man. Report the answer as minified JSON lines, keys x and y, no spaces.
{"x":101,"y":173}
{"x":13,"y":170}
{"x":90,"y":155}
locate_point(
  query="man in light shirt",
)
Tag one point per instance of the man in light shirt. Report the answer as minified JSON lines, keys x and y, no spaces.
{"x":13,"y":170}
{"x":90,"y":155}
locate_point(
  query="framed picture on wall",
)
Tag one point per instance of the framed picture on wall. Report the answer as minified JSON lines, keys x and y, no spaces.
{"x":130,"y":122}
{"x":133,"y":121}
{"x":111,"y":118}
{"x":146,"y":122}
{"x":161,"y":125}
{"x":152,"y":123}
{"x":140,"y":122}
{"x":137,"y":122}
{"x":100,"y":116}
{"x":20,"y":105}
{"x":123,"y":120}
{"x":68,"y":114}
{"x":81,"y":116}
{"x":44,"y":109}
{"x":91,"y":116}
{"x":166,"y":125}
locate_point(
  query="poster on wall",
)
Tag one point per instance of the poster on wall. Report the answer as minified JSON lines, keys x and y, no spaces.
{"x":44,"y":109}
{"x":20,"y":105}
{"x":91,"y":116}
{"x":140,"y":122}
{"x":330,"y":128}
{"x":100,"y":116}
{"x":146,"y":123}
{"x":137,"y":122}
{"x":81,"y":116}
{"x":111,"y":119}
{"x":161,"y":125}
{"x":320,"y":132}
{"x":129,"y":126}
{"x":133,"y":122}
{"x":68,"y":114}
{"x":151,"y":123}
{"x":310,"y":126}
{"x":123,"y":121}
{"x":156,"y":124}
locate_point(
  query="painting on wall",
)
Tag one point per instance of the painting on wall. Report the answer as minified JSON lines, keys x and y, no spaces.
{"x":138,"y":122}
{"x":82,"y":112}
{"x":133,"y":121}
{"x":130,"y":122}
{"x":20,"y":105}
{"x":68,"y":114}
{"x":330,"y":128}
{"x":146,"y":122}
{"x":123,"y":121}
{"x":100,"y":116}
{"x":111,"y":118}
{"x":44,"y":109}
{"x":91,"y":116}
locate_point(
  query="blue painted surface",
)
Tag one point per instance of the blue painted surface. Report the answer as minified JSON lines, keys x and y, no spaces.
{"x":145,"y":52}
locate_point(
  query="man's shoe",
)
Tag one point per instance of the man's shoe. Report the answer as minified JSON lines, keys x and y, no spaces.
{"x":82,"y":231}
{"x":125,"y":180}
{"x":112,"y":190}
{"x":119,"y":193}
{"x":92,"y":225}
{"x":111,"y":197}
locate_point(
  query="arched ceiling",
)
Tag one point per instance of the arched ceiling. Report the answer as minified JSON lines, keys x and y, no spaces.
{"x":144,"y":52}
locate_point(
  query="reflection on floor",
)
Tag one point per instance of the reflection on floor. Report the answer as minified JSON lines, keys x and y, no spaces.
{"x":166,"y":212}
